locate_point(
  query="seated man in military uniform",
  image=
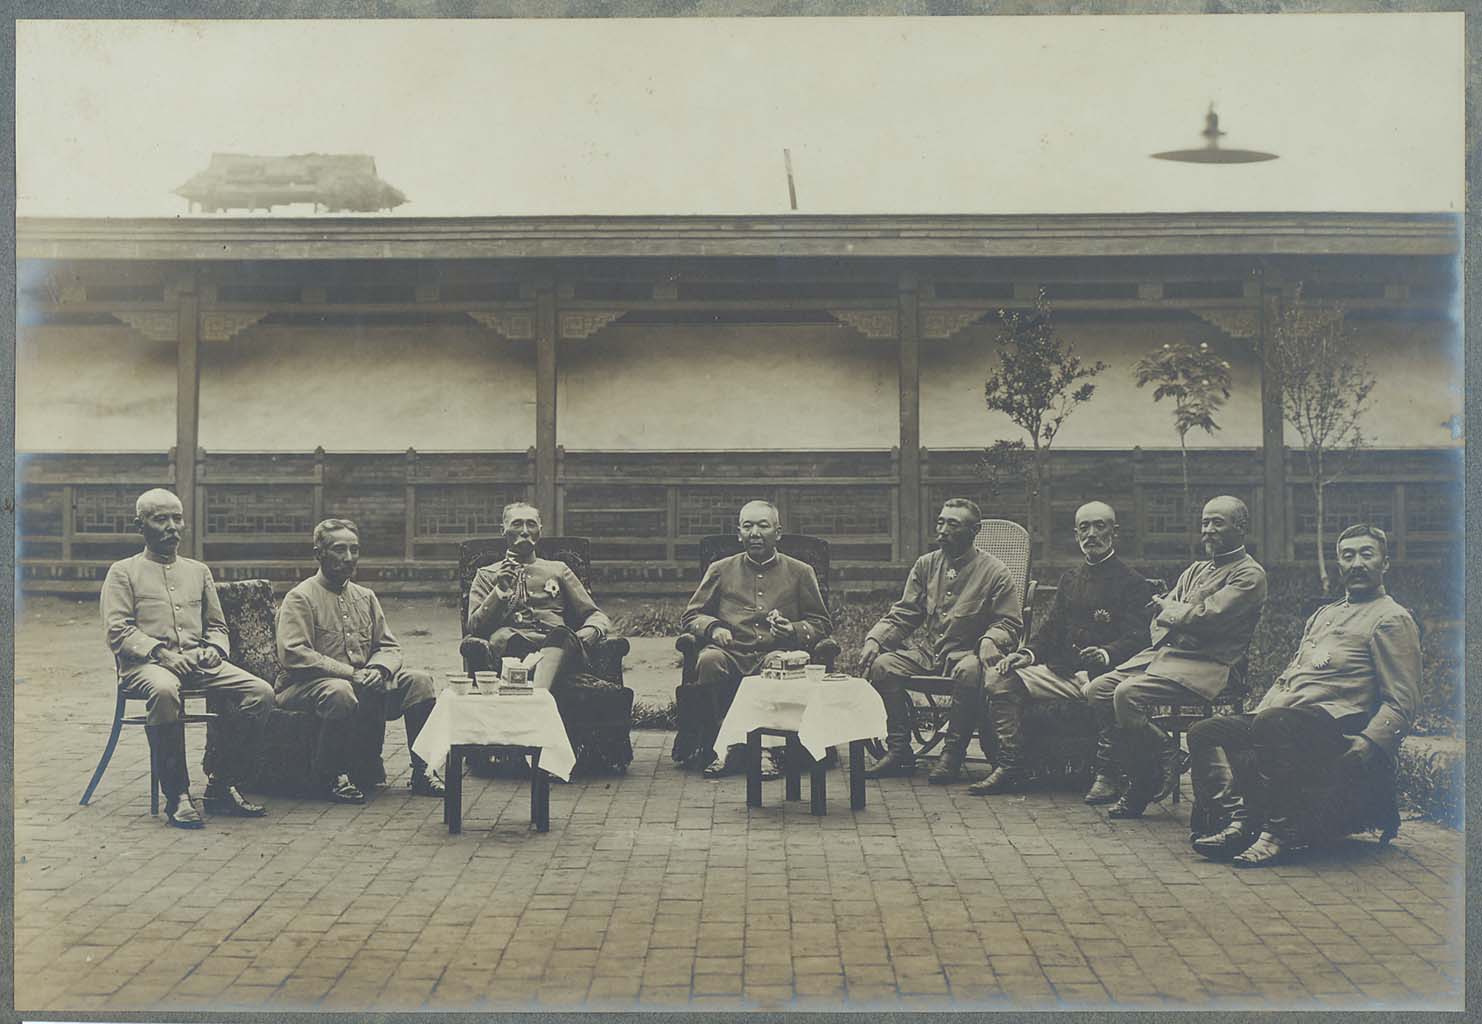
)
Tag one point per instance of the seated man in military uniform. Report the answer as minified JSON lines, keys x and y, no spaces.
{"x":1099,"y":619}
{"x":535,"y":609}
{"x":1200,"y":629}
{"x":747,"y":605}
{"x":1345,"y":700}
{"x":337,"y":653}
{"x":958,"y":614}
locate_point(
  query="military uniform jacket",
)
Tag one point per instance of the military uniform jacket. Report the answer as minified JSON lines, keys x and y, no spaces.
{"x":1103,"y":605}
{"x":738,"y":593}
{"x":322,"y":632}
{"x":1356,"y":657}
{"x":948,"y":606}
{"x":553,"y":596}
{"x":1206,"y":625}
{"x":147,"y":601}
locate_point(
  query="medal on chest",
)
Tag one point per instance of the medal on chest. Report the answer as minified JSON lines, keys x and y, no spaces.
{"x":951,"y":575}
{"x":1101,"y":615}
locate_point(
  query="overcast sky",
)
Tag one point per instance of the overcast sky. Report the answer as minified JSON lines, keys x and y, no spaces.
{"x":690,"y":116}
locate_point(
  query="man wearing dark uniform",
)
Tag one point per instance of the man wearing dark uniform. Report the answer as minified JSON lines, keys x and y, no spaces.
{"x":1099,"y":619}
{"x":1346,"y":698}
{"x":958,"y":614}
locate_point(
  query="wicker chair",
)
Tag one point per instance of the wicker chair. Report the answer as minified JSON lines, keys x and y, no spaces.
{"x":597,"y":708}
{"x":1009,"y":543}
{"x":696,"y":732}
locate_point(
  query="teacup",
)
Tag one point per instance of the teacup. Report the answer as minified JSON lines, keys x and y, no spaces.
{"x":461,"y":686}
{"x":814,"y":673}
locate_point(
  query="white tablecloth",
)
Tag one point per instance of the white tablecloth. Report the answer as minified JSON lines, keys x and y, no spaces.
{"x":823,"y":714}
{"x":524,"y":721}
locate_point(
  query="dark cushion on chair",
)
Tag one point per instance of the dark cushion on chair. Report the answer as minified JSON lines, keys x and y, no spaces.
{"x":598,"y":715}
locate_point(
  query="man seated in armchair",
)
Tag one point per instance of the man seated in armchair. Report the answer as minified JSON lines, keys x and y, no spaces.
{"x":165,"y":627}
{"x":748,"y":605}
{"x":1200,"y":629}
{"x":958,"y":614}
{"x":336,"y":651}
{"x":1344,"y":701}
{"x":1099,"y":619}
{"x":535,"y":609}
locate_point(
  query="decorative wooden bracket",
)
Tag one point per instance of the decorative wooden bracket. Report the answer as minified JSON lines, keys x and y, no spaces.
{"x":156,"y":326}
{"x":585,"y":324}
{"x":943,"y":323}
{"x":872,"y":323}
{"x":1237,"y":323}
{"x":514,"y":326}
{"x":224,"y":326}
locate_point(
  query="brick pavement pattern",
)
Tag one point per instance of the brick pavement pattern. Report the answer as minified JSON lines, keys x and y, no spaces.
{"x":662,"y":889}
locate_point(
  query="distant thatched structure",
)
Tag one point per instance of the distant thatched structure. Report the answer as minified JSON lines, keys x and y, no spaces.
{"x":336,"y":182}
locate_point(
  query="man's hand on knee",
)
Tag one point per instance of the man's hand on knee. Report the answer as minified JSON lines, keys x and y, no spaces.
{"x":867,"y":655}
{"x":371,"y":678}
{"x":173,"y":662}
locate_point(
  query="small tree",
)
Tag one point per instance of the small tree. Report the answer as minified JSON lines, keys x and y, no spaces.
{"x":1325,"y":388}
{"x":1038,"y":384}
{"x":1198,"y":381}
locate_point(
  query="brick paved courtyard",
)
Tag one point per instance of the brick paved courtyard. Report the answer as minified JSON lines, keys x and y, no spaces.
{"x":661,"y":889}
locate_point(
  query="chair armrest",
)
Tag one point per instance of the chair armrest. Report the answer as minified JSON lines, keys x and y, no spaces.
{"x":689,"y":650}
{"x":475,"y":654}
{"x":615,"y":647}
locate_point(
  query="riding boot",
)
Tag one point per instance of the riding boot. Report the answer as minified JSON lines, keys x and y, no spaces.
{"x":899,"y":758}
{"x":1140,"y":753}
{"x":961,"y":721}
{"x":1005,"y":717}
{"x":1106,"y":787}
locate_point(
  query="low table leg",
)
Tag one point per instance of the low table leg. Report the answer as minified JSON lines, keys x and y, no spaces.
{"x":753,"y":769}
{"x":453,"y":791}
{"x":818,"y":787}
{"x":793,"y":769}
{"x":856,"y":775}
{"x":540,"y":795}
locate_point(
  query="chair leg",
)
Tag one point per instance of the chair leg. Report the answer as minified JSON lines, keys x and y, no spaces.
{"x":154,"y":783}
{"x":118,"y":715}
{"x":1177,"y":775}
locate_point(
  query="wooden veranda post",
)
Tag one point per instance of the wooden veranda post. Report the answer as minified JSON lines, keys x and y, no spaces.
{"x":1272,"y":514}
{"x":546,"y":344}
{"x":188,"y":407}
{"x":909,"y":345}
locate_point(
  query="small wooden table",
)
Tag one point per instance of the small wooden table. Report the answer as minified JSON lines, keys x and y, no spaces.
{"x":793,"y":771}
{"x":540,"y":785}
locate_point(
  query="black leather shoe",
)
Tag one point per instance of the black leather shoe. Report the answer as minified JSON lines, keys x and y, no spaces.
{"x":1129,"y":805}
{"x":343,"y":791}
{"x":1263,"y":853}
{"x":424,"y":784}
{"x":1224,"y":844}
{"x":1000,"y":780}
{"x":892,"y":765}
{"x":222,"y":799}
{"x":1103,"y":791}
{"x":183,"y":814}
{"x":1172,"y":763}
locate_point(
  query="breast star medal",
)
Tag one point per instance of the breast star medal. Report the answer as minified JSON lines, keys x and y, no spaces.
{"x":1101,"y":615}
{"x":1321,"y":658}
{"x":951,"y":575}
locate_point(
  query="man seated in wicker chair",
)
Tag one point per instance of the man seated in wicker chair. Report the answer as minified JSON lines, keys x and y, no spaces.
{"x":959,"y":613}
{"x":337,"y":651}
{"x":748,"y":605}
{"x":165,"y":628}
{"x":535,"y":609}
{"x":1342,"y":705}
{"x":1099,"y":619}
{"x":1200,"y":629}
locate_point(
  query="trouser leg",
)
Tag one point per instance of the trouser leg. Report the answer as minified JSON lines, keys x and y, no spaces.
{"x":1099,"y":694}
{"x":1143,"y":743}
{"x":1220,"y":767}
{"x":1292,"y":747}
{"x":167,"y":747}
{"x":334,"y":704}
{"x":967,"y":701}
{"x":240,"y":729}
{"x":410,"y":696}
{"x":888,"y":675}
{"x":718,"y":673}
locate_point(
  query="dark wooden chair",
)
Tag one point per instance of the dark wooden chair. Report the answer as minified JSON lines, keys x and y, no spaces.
{"x":1009,"y":543}
{"x":597,"y":708}
{"x":121,"y":718}
{"x":283,"y":762}
{"x":696,"y":733}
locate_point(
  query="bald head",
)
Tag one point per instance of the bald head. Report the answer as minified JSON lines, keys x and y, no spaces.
{"x":156,"y":499}
{"x":759,"y":527}
{"x":1096,"y":530}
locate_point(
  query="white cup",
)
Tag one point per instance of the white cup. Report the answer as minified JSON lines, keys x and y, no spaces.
{"x":813,"y":673}
{"x":460,"y":686}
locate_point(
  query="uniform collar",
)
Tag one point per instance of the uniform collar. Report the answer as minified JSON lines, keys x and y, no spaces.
{"x":1229,"y":556}
{"x":1103,"y":559}
{"x":323,"y":581}
{"x":760,"y":565}
{"x":159,"y":559}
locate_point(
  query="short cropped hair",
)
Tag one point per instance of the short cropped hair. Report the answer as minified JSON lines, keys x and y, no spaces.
{"x":1366,"y":530}
{"x":151,"y":498}
{"x":776,"y":515}
{"x":1239,"y":513}
{"x":514,"y":506}
{"x":328,"y":526}
{"x":965,"y":503}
